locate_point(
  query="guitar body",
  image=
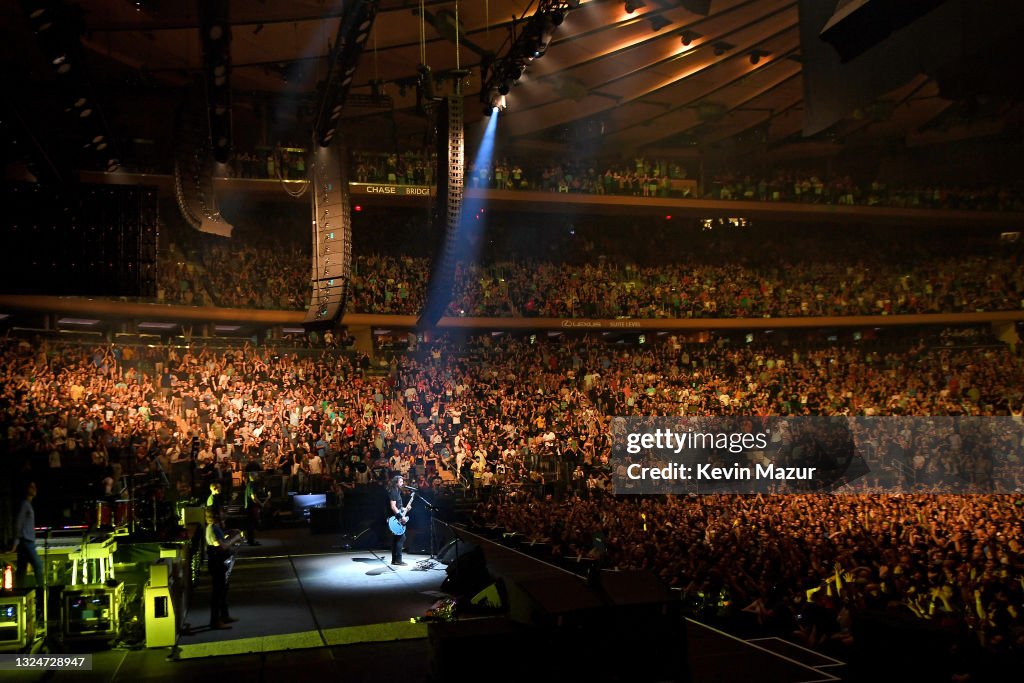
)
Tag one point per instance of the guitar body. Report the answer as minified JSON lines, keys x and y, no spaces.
{"x":396,"y":523}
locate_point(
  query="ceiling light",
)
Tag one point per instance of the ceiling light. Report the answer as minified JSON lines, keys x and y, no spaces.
{"x":756,"y":55}
{"x":721,"y":47}
{"x":658,"y":22}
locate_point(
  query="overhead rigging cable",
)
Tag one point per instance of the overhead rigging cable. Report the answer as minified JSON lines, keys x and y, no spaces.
{"x":423,"y":33}
{"x":457,"y":66}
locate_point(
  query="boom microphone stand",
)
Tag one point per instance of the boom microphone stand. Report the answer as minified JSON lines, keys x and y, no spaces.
{"x":430,"y":562}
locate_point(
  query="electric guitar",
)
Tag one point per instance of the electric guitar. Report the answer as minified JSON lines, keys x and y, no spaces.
{"x":396,"y":523}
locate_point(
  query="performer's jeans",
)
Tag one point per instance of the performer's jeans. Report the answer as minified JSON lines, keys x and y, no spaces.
{"x":219,"y":597}
{"x":27,"y":555}
{"x":396,"y":547}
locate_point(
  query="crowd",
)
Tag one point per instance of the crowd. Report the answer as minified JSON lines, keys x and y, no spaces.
{"x":803,"y":566}
{"x":318,"y":418}
{"x":818,"y":188}
{"x":511,"y":415}
{"x":638,"y":177}
{"x":739,"y":274}
{"x":642,"y":177}
{"x":404,"y":168}
{"x":515,"y":414}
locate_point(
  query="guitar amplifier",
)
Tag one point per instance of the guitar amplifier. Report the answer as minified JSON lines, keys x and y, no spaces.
{"x":17,"y":619}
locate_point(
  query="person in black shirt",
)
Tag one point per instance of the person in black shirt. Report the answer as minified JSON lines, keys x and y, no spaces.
{"x":215,"y":501}
{"x":396,"y":508}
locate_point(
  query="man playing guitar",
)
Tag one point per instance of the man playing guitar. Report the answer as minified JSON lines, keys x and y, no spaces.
{"x":399,"y":518}
{"x":254,"y":506}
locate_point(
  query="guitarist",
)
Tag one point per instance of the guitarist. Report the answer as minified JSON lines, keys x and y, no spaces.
{"x":253,"y":507}
{"x":397,"y":509}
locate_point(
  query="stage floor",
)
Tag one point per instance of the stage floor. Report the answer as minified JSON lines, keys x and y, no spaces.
{"x":307,"y":607}
{"x":316,"y":599}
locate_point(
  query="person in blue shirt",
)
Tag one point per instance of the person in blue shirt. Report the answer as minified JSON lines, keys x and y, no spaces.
{"x":25,"y":539}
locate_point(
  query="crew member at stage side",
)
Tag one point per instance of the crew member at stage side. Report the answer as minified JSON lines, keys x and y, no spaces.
{"x":220,"y":549}
{"x":25,"y":542}
{"x":215,"y":502}
{"x":396,"y":508}
{"x":253,"y":507}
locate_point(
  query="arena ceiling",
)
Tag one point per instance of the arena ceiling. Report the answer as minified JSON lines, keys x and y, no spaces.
{"x":661,"y":76}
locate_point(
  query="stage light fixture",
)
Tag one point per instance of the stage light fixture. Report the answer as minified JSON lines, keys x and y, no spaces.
{"x":687,"y":37}
{"x":756,"y":55}
{"x":634,"y":5}
{"x":658,"y":22}
{"x":721,"y":47}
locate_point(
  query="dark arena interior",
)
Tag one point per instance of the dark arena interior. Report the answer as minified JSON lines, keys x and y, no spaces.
{"x":512,"y":340}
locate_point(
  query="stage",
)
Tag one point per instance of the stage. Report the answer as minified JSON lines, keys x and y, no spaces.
{"x":307,"y":605}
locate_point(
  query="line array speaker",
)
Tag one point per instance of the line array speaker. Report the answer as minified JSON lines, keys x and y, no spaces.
{"x":332,"y":238}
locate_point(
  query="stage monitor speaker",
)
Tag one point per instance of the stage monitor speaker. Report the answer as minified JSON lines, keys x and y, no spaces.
{"x":446,"y":555}
{"x":553,"y":601}
{"x":467,"y":572}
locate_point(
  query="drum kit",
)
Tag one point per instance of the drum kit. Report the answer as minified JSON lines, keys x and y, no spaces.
{"x":144,"y":508}
{"x":106,"y":514}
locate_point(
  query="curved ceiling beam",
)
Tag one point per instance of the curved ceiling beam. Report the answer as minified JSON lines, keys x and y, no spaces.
{"x":641,"y":80}
{"x":763,"y":78}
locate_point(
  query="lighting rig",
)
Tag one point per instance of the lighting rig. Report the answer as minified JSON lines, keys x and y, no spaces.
{"x":353,"y":31}
{"x":499,"y":75}
{"x":215,"y":41}
{"x":58,"y":28}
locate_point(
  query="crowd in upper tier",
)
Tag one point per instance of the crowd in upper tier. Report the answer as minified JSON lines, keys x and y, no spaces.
{"x":640,"y":177}
{"x":648,"y":271}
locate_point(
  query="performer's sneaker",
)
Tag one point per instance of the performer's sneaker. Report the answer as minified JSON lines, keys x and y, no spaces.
{"x":229,"y":620}
{"x":400,"y":564}
{"x":219,"y":626}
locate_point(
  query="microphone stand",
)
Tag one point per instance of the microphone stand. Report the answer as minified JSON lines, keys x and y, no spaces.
{"x":429,"y":564}
{"x":46,"y":590}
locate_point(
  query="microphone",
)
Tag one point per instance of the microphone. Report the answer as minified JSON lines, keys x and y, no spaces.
{"x":410,"y":488}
